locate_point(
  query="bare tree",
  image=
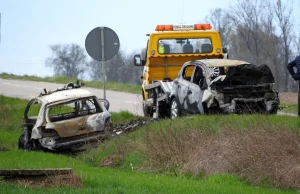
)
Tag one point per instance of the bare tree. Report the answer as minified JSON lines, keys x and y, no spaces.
{"x":246,"y":17}
{"x":263,"y":34}
{"x":118,"y":69}
{"x":221,"y":22}
{"x":283,"y":16}
{"x":68,"y":60}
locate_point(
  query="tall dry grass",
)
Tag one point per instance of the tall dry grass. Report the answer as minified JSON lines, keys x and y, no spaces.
{"x":258,"y":154}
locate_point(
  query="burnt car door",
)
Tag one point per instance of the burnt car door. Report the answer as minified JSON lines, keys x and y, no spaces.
{"x":183,"y":90}
{"x":196,"y":90}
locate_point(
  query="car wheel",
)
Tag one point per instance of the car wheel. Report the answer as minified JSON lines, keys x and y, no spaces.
{"x":174,"y":109}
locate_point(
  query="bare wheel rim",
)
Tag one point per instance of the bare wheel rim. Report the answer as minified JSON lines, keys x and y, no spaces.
{"x":174,"y":110}
{"x":214,"y":71}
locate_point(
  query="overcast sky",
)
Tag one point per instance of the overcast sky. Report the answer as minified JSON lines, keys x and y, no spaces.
{"x":28,"y":27}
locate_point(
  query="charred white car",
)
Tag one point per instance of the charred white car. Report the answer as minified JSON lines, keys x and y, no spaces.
{"x":69,"y":118}
{"x":223,"y":86}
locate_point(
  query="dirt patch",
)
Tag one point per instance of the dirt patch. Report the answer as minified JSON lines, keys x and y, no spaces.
{"x":288,"y":98}
{"x":3,"y":149}
{"x":47,"y":181}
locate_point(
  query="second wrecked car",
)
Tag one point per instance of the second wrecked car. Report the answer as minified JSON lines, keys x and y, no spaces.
{"x":223,"y":86}
{"x":69,"y":118}
{"x":215,"y":86}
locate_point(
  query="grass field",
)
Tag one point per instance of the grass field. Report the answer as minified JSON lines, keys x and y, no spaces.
{"x":162,"y":157}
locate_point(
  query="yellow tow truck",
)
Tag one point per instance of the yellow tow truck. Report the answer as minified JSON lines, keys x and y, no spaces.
{"x":168,"y":48}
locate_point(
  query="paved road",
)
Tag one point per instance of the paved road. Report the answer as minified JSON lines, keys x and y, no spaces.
{"x":30,"y":89}
{"x":118,"y":100}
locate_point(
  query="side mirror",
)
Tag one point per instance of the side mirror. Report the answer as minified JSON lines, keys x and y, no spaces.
{"x":137,"y":60}
{"x":224,"y":50}
{"x":105,"y":103}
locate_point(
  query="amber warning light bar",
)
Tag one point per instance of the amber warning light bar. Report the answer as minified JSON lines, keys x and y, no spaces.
{"x":183,"y":27}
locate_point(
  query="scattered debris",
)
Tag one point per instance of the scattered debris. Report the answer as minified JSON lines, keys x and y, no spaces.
{"x":129,"y":127}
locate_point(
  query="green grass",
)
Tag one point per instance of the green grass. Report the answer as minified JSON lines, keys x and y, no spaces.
{"x":135,"y":89}
{"x":105,"y":180}
{"x":289,"y":108}
{"x":134,"y":143}
{"x":123,"y":178}
{"x":123,"y":117}
{"x":135,"y":146}
{"x":11,"y":113}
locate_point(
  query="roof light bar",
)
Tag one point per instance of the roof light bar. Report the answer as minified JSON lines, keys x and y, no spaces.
{"x":183,"y":27}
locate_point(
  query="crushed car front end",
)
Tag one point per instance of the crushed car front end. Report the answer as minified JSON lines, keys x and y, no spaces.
{"x":243,"y":89}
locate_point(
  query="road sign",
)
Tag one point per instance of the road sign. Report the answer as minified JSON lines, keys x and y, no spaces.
{"x":102,"y":43}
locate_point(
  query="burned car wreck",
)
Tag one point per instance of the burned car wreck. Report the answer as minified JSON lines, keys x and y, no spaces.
{"x":223,"y":86}
{"x":69,"y":118}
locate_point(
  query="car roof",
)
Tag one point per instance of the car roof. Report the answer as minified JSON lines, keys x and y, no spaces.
{"x":65,"y":95}
{"x":222,"y":62}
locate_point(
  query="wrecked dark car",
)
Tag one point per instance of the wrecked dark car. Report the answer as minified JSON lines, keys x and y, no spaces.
{"x":69,"y":118}
{"x":223,"y":86}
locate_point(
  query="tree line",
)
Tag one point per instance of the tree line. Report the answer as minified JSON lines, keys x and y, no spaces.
{"x":257,"y":31}
{"x":260,"y":32}
{"x":71,"y":60}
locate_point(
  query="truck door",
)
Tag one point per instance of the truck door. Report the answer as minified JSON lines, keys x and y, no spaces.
{"x":195,"y":91}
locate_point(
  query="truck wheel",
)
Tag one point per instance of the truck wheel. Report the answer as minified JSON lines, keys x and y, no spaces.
{"x":174,"y":109}
{"x":148,"y":112}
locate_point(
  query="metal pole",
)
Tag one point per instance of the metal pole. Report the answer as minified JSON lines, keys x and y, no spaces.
{"x":104,"y":73}
{"x":299,"y":99}
{"x":102,"y":62}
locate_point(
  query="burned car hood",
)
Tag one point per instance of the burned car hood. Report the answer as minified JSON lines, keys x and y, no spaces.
{"x":248,"y":74}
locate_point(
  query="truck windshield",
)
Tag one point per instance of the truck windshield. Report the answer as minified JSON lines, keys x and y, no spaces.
{"x":184,"y":45}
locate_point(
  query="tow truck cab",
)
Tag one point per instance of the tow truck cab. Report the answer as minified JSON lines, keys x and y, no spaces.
{"x":168,"y":48}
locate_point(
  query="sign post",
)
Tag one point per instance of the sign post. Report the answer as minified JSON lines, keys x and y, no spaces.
{"x":102,"y":63}
{"x":102,"y":44}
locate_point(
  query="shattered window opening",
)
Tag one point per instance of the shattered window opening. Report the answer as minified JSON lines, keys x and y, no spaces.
{"x":35,"y":106}
{"x":73,"y":109}
{"x":187,"y":72}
